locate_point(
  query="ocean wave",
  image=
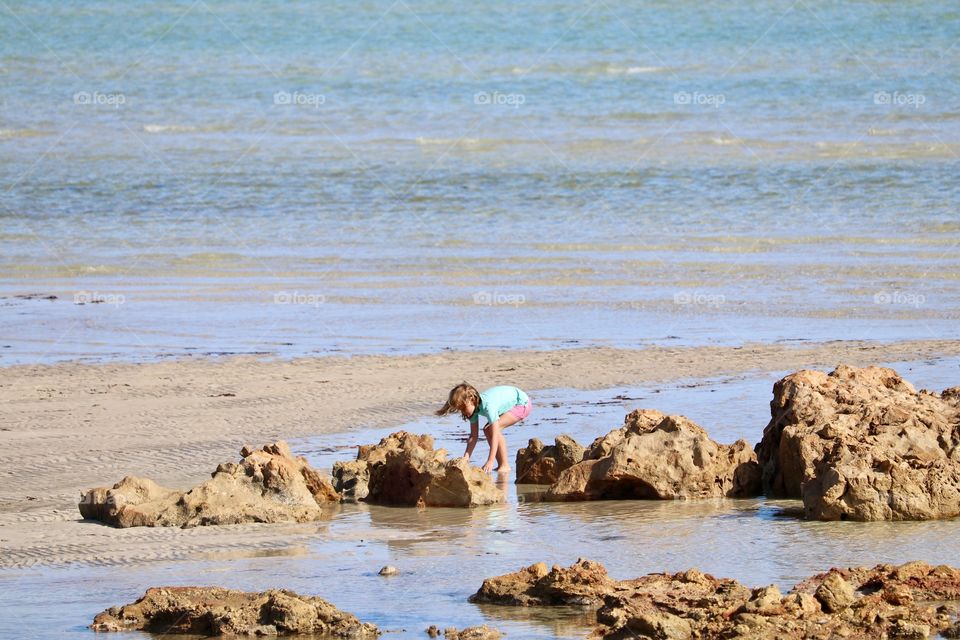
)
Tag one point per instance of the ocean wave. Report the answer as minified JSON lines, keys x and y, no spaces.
{"x":724,"y":141}
{"x":941,"y":227}
{"x":595,"y":69}
{"x":917,"y":150}
{"x":185,"y":128}
{"x":703,"y":139}
{"x":446,"y":142}
{"x":168,"y":128}
{"x":629,"y":71}
{"x":20,"y":133}
{"x":210,"y":258}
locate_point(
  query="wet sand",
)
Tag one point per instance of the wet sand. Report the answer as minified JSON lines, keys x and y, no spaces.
{"x":68,"y":427}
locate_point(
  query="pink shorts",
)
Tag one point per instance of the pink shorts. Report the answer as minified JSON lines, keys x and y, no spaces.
{"x":520,"y":411}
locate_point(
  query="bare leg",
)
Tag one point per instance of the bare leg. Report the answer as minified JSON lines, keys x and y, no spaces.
{"x":492,"y":432}
{"x":503,"y":464}
{"x":503,"y":461}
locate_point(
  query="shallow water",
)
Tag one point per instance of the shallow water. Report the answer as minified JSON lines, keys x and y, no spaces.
{"x":420,"y":205}
{"x":444,"y":554}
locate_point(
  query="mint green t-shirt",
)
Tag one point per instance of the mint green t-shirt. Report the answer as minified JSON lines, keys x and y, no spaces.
{"x":496,"y":401}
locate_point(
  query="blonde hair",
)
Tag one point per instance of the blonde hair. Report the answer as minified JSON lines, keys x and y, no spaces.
{"x":459,"y":396}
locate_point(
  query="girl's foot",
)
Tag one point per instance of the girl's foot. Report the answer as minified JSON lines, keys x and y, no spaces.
{"x":503,"y":469}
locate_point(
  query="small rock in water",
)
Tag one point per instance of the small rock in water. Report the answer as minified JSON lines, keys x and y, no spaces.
{"x":433,"y":631}
{"x":542,"y":464}
{"x":389,"y":570}
{"x":482,"y":632}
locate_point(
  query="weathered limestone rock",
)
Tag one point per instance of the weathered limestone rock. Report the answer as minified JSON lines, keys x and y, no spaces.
{"x":267,"y":485}
{"x":659,"y":457}
{"x":482,"y":632}
{"x":541,"y":464}
{"x":214,"y":611}
{"x":676,"y":606}
{"x":863,"y":444}
{"x":583,"y":583}
{"x":405,"y":470}
{"x":882,"y":601}
{"x":834,"y":593}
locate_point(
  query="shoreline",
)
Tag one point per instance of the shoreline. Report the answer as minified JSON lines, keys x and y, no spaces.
{"x":68,"y":427}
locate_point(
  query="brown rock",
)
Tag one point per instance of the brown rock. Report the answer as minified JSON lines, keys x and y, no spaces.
{"x":482,"y":632}
{"x":672,"y":606}
{"x":540,"y":464}
{"x":583,"y":583}
{"x":903,"y":629}
{"x":834,"y":593}
{"x":696,"y":605}
{"x":268,"y":485}
{"x":405,"y":470}
{"x":923,"y":582}
{"x":351,"y":479}
{"x":862,"y":444}
{"x":213,"y":611}
{"x":766,"y":601}
{"x":659,"y":457}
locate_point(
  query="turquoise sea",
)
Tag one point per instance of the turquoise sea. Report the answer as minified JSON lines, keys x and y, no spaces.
{"x":405,"y":176}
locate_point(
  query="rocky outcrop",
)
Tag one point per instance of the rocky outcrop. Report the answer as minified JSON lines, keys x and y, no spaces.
{"x":481,"y":632}
{"x":267,"y":485}
{"x":584,"y":583}
{"x":675,"y":606}
{"x":913,"y":600}
{"x":863,"y":444}
{"x":542,"y":464}
{"x":405,"y":470}
{"x":213,"y":611}
{"x":659,"y":457}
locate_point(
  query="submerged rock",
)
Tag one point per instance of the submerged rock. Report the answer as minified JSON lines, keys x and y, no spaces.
{"x":405,"y":470}
{"x":882,"y":601}
{"x":541,"y":464}
{"x":214,"y":611}
{"x":863,"y":444}
{"x":659,"y":457}
{"x":267,"y":485}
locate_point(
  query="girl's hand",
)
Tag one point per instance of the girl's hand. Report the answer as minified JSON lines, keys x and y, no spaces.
{"x":487,"y":468}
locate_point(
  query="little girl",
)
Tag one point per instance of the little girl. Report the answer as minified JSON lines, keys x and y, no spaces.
{"x":502,"y":406}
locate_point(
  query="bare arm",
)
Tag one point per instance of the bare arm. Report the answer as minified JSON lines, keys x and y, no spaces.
{"x":472,"y":440}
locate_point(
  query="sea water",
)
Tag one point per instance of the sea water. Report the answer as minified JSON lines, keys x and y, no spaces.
{"x":401,"y":176}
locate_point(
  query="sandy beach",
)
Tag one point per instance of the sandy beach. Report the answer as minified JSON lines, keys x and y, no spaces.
{"x":68,"y":427}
